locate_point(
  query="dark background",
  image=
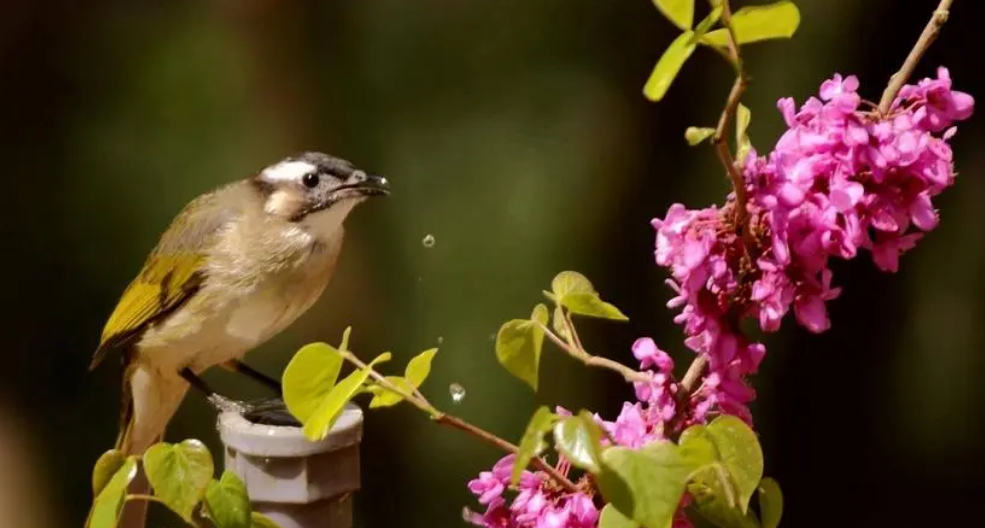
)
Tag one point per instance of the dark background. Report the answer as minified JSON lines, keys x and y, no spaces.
{"x":515,"y":132}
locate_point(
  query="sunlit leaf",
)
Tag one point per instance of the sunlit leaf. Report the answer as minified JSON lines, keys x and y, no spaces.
{"x":770,"y":503}
{"x":310,"y":376}
{"x":570,"y":282}
{"x":518,"y":346}
{"x":384,"y":397}
{"x":578,"y":439}
{"x":707,"y":22}
{"x":757,"y":23}
{"x":740,"y":453}
{"x":419,"y":367}
{"x":108,"y":505}
{"x":179,"y":474}
{"x":695,"y":135}
{"x":591,"y":305}
{"x":106,"y":466}
{"x":646,"y":484}
{"x":260,"y":520}
{"x":228,"y":502}
{"x":344,"y":345}
{"x":611,"y":518}
{"x":679,"y":12}
{"x":532,"y":443}
{"x":558,"y":322}
{"x":332,"y":405}
{"x":669,"y":65}
{"x":709,"y":489}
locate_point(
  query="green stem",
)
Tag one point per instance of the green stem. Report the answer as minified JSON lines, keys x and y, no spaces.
{"x":580,"y":354}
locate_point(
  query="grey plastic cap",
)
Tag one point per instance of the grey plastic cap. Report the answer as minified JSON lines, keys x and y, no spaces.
{"x":296,"y":482}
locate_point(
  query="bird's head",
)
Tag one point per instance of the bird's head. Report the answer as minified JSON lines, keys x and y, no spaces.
{"x":316,"y":189}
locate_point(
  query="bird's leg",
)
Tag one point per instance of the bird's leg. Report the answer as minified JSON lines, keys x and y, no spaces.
{"x":219,"y":401}
{"x":238,"y":366}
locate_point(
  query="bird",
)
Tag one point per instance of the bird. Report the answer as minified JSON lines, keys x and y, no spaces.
{"x":235,"y":267}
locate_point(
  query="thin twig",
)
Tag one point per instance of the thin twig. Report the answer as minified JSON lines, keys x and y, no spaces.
{"x":627,"y":373}
{"x":458,"y":423}
{"x":693,"y":374}
{"x":930,"y":32}
{"x":728,"y":114}
{"x":421,"y":403}
{"x":570,"y":327}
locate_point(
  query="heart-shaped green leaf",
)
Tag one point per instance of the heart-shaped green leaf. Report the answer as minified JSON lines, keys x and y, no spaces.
{"x":179,"y":474}
{"x":108,"y":505}
{"x":532,"y":443}
{"x":670,"y":65}
{"x":646,"y":484}
{"x":309,"y":377}
{"x":740,"y":453}
{"x":757,"y":23}
{"x":770,"y":503}
{"x":591,"y":305}
{"x":578,"y":438}
{"x":709,"y":489}
{"x":570,"y":282}
{"x":331,"y":406}
{"x":106,"y":466}
{"x":228,"y":502}
{"x":611,"y":518}
{"x":383,"y":397}
{"x":519,"y":343}
{"x":679,"y":12}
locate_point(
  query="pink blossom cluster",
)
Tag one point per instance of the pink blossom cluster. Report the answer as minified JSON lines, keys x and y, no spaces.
{"x":535,"y":505}
{"x":841,"y":178}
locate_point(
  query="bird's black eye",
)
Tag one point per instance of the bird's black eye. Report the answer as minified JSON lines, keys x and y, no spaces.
{"x":310,"y":180}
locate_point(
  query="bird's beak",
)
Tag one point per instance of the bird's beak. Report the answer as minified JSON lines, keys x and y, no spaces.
{"x":371,"y":184}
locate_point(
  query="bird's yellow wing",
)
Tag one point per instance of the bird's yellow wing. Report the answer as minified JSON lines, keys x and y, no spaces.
{"x":163,"y":285}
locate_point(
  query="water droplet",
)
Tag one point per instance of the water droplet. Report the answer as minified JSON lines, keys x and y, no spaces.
{"x":492,"y":337}
{"x":457,"y":392}
{"x":428,"y":241}
{"x":441,"y":339}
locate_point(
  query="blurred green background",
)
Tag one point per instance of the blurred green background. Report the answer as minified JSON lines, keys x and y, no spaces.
{"x":515,"y":133}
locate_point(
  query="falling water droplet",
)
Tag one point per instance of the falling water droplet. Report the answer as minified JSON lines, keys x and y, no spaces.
{"x":441,"y":339}
{"x":428,"y":241}
{"x":492,"y":337}
{"x":457,"y":392}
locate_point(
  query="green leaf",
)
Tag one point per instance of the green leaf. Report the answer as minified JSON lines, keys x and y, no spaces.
{"x":106,"y":466}
{"x":742,"y":118}
{"x":532,"y":443}
{"x":707,"y":22}
{"x":540,"y":314}
{"x":179,"y":474}
{"x":331,"y":406}
{"x":518,"y":346}
{"x":344,"y":345}
{"x":669,"y":65}
{"x":740,"y":453}
{"x":578,"y":439}
{"x":709,"y":488}
{"x":591,"y":305}
{"x":570,"y":282}
{"x":757,"y":23}
{"x":108,"y":505}
{"x":611,"y":518}
{"x":228,"y":502}
{"x":310,"y":376}
{"x":260,"y":520}
{"x":770,"y":503}
{"x":384,"y":397}
{"x":679,"y":12}
{"x":558,"y":323}
{"x":419,"y":367}
{"x":695,"y":135}
{"x":646,"y":484}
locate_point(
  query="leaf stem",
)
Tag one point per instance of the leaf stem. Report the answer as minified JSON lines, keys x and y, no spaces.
{"x":728,"y":114}
{"x":693,"y":374}
{"x":930,"y":32}
{"x":144,"y":497}
{"x":580,"y":354}
{"x":419,"y":401}
{"x":538,"y":462}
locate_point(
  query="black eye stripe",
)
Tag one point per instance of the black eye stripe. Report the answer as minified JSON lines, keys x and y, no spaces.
{"x":310,"y":180}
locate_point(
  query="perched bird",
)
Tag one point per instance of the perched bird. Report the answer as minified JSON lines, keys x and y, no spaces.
{"x":235,"y":267}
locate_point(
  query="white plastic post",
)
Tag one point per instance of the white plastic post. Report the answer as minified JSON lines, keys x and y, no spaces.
{"x":294,"y":481}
